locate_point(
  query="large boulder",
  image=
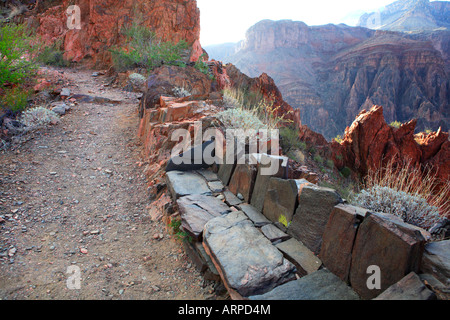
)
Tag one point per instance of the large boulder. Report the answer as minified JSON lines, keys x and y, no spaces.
{"x":315,"y":205}
{"x":247,"y":261}
{"x":384,"y":241}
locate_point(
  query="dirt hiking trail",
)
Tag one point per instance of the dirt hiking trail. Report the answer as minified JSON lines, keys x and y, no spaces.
{"x":75,"y":195}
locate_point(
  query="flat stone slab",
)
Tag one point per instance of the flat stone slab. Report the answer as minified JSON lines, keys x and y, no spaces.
{"x":304,"y":260}
{"x":183,"y":183}
{"x":231,"y":199}
{"x":409,"y":288}
{"x":197,"y":210}
{"x":216,"y":186}
{"x":247,"y":261}
{"x":254,"y":215}
{"x":274,"y":234}
{"x":208,"y":175}
{"x":225,"y":172}
{"x":320,"y":285}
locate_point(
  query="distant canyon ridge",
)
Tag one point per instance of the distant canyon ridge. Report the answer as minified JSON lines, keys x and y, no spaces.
{"x":332,"y":72}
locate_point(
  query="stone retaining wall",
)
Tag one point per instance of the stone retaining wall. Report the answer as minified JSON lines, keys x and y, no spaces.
{"x":302,"y":239}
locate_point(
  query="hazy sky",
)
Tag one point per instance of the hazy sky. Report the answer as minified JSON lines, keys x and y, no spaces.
{"x":226,"y":21}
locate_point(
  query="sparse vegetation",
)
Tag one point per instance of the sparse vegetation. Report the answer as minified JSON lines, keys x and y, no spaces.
{"x":37,"y":117}
{"x":317,"y":158}
{"x":53,"y":56}
{"x":144,"y":50}
{"x":405,"y":191}
{"x":15,"y":99}
{"x":181,"y":92}
{"x":177,"y":231}
{"x":395,"y":124}
{"x":338,"y":138}
{"x":346,"y":172}
{"x":289,"y":140}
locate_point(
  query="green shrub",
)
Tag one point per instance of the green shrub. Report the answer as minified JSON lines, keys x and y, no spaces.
{"x":15,"y":99}
{"x":317,"y":158}
{"x":346,"y":172}
{"x":53,"y":56}
{"x":338,"y":138}
{"x":289,"y":140}
{"x":177,"y":231}
{"x":330,"y":163}
{"x":144,"y":50}
{"x":395,"y":124}
{"x":241,"y":119}
{"x":15,"y":44}
{"x":201,"y":65}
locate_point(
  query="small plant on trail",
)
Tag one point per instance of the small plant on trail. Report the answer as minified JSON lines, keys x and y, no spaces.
{"x":179,"y":234}
{"x":38,"y":117}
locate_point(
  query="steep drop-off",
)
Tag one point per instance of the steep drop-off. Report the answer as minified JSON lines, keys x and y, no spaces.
{"x":332,"y":72}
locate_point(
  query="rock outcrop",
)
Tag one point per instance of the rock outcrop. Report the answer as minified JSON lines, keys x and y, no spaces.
{"x":370,"y":143}
{"x":103,"y":20}
{"x":332,"y":72}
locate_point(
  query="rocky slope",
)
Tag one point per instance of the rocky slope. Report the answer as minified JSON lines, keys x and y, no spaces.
{"x":102,"y":21}
{"x":332,"y":72}
{"x":409,"y":15}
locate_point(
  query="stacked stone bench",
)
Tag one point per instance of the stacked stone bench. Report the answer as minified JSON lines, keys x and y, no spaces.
{"x":269,"y":237}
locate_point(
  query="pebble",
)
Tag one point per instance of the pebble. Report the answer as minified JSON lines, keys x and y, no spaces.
{"x":83,"y":250}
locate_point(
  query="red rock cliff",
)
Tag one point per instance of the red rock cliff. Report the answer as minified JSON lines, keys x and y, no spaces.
{"x":102,"y":21}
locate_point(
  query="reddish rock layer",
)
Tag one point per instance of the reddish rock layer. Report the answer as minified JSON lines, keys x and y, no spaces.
{"x":103,"y":20}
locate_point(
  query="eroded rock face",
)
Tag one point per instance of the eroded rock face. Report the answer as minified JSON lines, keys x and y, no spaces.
{"x":332,"y":72}
{"x":102,"y":21}
{"x":370,"y":143}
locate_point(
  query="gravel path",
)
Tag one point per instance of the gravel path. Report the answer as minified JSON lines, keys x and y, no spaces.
{"x":75,"y":195}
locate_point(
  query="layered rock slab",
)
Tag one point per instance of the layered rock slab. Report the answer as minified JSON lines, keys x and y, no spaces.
{"x":385,"y":241}
{"x":315,"y":205}
{"x":197,"y":210}
{"x":183,"y":183}
{"x":320,"y":285}
{"x":248,"y":262}
{"x":339,"y":238}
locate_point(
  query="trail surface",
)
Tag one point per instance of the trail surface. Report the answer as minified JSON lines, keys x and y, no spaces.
{"x":75,"y":195}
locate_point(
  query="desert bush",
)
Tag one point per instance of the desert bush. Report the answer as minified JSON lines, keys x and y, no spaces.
{"x":317,"y":158}
{"x":38,"y":117}
{"x":53,"y":56}
{"x":144,"y":50}
{"x":395,"y":124}
{"x":404,"y":190}
{"x":289,"y":139}
{"x":346,"y":172}
{"x":232,"y":99}
{"x":15,"y":99}
{"x":181,"y":92}
{"x":16,"y":53}
{"x":330,"y":163}
{"x":240,"y":118}
{"x":338,"y":138}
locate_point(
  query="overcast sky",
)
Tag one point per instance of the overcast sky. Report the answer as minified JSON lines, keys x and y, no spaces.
{"x":226,"y":21}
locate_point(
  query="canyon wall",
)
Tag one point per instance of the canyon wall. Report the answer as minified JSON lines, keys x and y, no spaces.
{"x":103,"y":20}
{"x":333,"y":72}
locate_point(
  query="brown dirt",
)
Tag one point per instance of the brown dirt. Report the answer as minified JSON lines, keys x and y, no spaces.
{"x":57,"y":199}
